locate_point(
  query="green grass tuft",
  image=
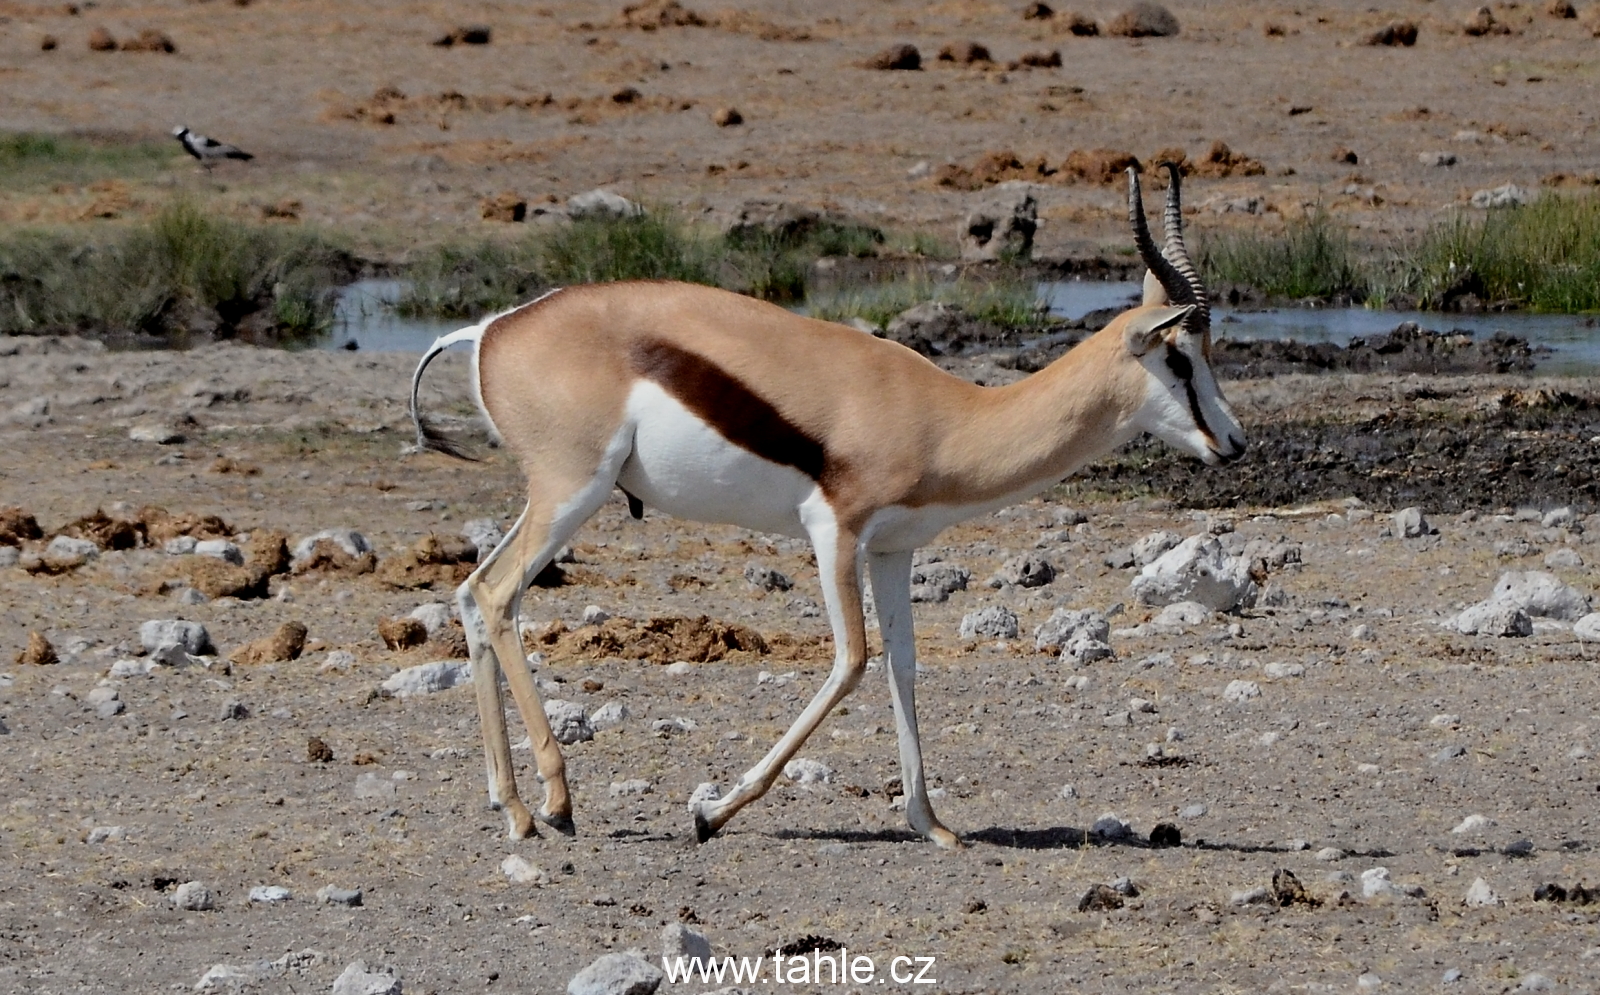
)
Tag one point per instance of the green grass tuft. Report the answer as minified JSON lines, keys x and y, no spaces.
{"x":468,"y":281}
{"x":1005,"y":303}
{"x":1544,"y":255}
{"x":1310,"y":258}
{"x":649,"y":246}
{"x":181,"y":270}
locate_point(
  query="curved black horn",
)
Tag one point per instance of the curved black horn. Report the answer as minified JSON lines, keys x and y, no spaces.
{"x":1177,"y":286}
{"x":1176,"y":251}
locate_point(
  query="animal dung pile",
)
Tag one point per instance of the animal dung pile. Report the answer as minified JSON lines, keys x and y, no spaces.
{"x":896,"y":57}
{"x":283,"y":645}
{"x":1143,"y":20}
{"x":267,"y":556}
{"x":434,"y":562}
{"x":17,"y":527}
{"x":664,"y":639}
{"x":1101,"y":166}
{"x":1398,"y":33}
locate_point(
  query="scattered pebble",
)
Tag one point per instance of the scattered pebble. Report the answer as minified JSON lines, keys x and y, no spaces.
{"x":1241,"y":691}
{"x":192,"y":896}
{"x":433,"y":616}
{"x":1409,"y":523}
{"x":427,"y":678}
{"x":1111,"y":826}
{"x":680,"y":944}
{"x":609,"y":716}
{"x":673,"y":726}
{"x":267,"y":894}
{"x":174,"y":641}
{"x":356,"y":979}
{"x":616,"y":974}
{"x":1480,"y":895}
{"x":1254,"y":896}
{"x":348,"y":897}
{"x":994,"y":622}
{"x":523,"y":871}
{"x":1473,"y":823}
{"x":764,"y":578}
{"x":803,"y":770}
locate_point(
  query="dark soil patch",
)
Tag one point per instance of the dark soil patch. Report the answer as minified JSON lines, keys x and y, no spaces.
{"x":1504,"y":457}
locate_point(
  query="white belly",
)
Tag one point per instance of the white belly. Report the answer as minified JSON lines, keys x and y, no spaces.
{"x":684,"y":467}
{"x":898,"y":528}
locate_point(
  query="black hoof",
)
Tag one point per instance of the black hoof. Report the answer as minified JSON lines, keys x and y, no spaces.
{"x":562,"y":824}
{"x":702,"y":829}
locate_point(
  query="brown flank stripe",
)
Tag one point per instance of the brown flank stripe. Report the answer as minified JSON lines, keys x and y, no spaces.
{"x":736,"y":412}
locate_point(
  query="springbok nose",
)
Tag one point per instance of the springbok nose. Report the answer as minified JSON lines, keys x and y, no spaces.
{"x":1236,"y":450}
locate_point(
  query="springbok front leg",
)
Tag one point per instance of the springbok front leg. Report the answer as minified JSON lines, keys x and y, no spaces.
{"x":489,"y":601}
{"x":839,"y":567}
{"x":891,"y":592}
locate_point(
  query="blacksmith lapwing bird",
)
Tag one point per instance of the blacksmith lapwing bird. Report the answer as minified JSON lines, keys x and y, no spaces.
{"x":207,"y":150}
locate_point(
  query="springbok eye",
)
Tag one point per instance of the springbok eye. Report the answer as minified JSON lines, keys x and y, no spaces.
{"x":1179,"y":364}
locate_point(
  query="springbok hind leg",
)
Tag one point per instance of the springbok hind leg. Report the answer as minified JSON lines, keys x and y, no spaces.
{"x":489,"y":601}
{"x":839,"y":566}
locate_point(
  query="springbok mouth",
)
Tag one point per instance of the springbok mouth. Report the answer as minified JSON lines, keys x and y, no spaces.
{"x":1230,"y":457}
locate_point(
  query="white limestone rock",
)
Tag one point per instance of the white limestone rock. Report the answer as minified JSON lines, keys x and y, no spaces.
{"x":428,"y":678}
{"x":1197,"y":570}
{"x":568,"y":723}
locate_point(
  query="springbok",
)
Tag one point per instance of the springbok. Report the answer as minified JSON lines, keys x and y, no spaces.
{"x":714,"y":407}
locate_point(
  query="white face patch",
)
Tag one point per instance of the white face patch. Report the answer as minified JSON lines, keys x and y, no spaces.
{"x":1184,"y":407}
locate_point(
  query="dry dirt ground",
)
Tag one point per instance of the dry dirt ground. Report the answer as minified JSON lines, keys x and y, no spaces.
{"x":353,"y":113}
{"x":1347,"y":755}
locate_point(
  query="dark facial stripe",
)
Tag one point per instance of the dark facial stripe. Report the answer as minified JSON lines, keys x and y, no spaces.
{"x":1183,"y":369}
{"x":727,"y":405}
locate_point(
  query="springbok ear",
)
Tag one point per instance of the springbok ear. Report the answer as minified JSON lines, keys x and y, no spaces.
{"x":1155,"y":294}
{"x":1145,"y":328}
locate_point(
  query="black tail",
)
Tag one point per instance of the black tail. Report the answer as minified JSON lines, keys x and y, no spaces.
{"x":237,"y":154}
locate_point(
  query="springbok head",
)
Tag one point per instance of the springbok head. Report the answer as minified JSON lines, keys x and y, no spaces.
{"x":1184,"y":407}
